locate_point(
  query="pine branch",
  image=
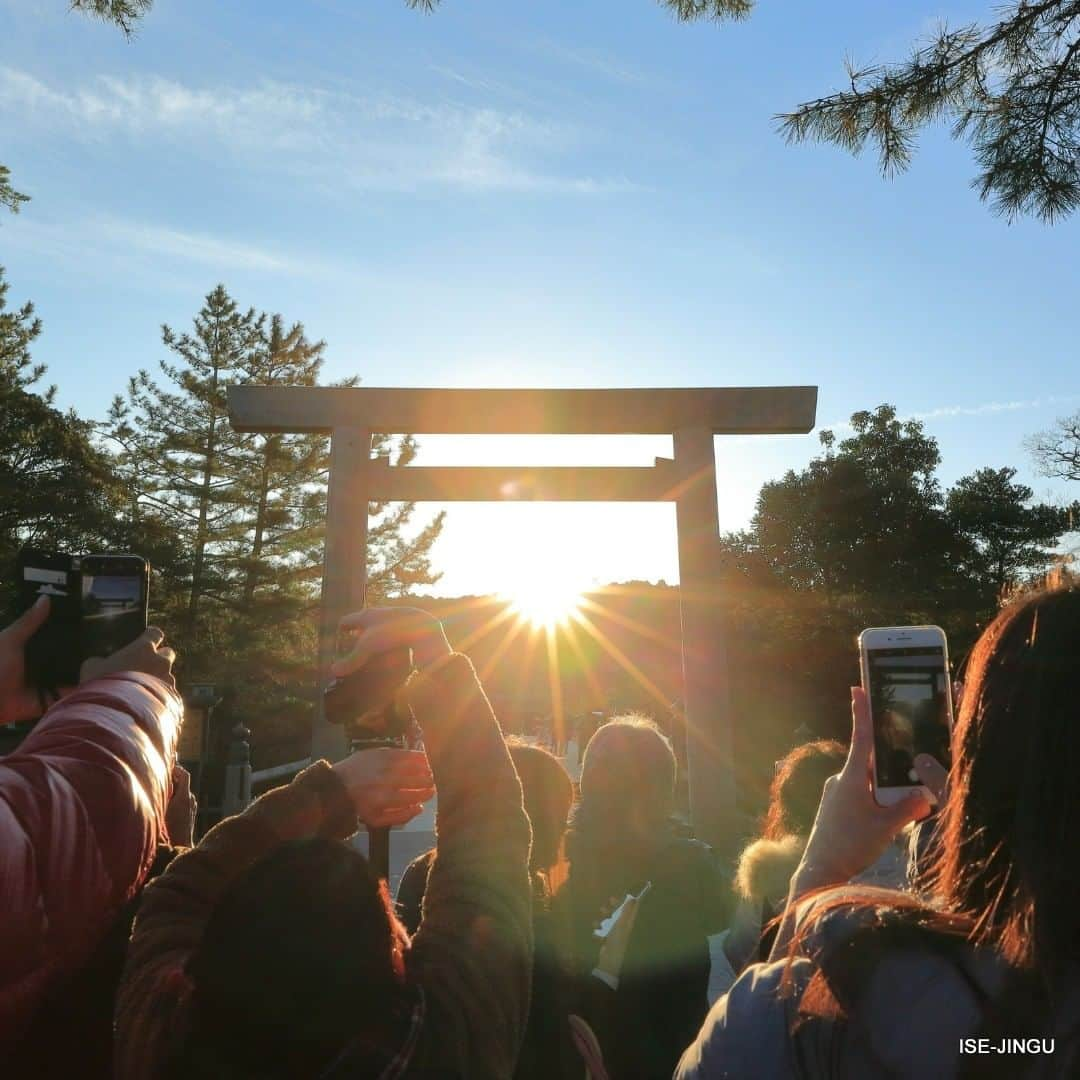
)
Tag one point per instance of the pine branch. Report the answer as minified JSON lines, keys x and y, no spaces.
{"x":122,"y":13}
{"x":1013,"y":88}
{"x":9,"y":197}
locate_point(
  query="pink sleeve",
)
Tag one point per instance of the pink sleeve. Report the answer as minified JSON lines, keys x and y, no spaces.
{"x":82,"y":808}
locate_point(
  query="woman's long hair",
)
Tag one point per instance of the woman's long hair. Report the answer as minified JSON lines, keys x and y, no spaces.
{"x":627,"y":799}
{"x":548,"y":794}
{"x":1005,"y":875}
{"x":796,"y":788}
{"x":1010,"y":827}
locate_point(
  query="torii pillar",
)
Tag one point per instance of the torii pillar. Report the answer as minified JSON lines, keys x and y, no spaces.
{"x":692,"y":416}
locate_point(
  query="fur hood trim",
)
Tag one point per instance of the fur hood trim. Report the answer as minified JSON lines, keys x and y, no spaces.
{"x":766,"y":866}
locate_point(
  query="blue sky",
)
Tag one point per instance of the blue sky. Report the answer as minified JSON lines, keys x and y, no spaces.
{"x":563,"y":193}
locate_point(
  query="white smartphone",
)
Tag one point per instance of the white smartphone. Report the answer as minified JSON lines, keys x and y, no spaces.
{"x":608,"y":924}
{"x":905,"y":673}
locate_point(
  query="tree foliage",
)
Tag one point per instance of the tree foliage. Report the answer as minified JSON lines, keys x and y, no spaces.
{"x":863,"y":519}
{"x":122,"y":13}
{"x":249,"y":509}
{"x":1007,"y":539}
{"x":686,"y":10}
{"x":1057,"y":451}
{"x":174,"y":443}
{"x":9,"y":197}
{"x":1011,"y":89}
{"x":57,"y":488}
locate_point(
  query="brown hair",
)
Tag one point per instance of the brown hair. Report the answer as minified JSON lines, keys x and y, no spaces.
{"x":796,"y":788}
{"x":548,"y":795}
{"x":1013,"y":815}
{"x":301,"y":955}
{"x":1005,"y":875}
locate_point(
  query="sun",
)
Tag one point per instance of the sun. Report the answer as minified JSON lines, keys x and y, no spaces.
{"x":544,"y":602}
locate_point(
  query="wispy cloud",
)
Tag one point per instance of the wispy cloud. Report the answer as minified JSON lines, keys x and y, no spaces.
{"x":377,"y":142}
{"x":983,"y":409}
{"x":143,"y":247}
{"x":593,"y":61}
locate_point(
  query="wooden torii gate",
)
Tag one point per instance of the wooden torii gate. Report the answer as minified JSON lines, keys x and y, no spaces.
{"x":692,"y":416}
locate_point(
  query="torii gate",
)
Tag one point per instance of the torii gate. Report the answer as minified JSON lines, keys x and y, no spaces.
{"x":693,"y":416}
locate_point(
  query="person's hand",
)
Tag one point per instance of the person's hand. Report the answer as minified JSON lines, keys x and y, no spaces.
{"x":18,"y":701}
{"x":851,"y":830}
{"x":182,"y":809}
{"x":380,"y":630}
{"x":387,"y":786}
{"x":933,"y":775}
{"x":613,"y":951}
{"x":146,"y":654}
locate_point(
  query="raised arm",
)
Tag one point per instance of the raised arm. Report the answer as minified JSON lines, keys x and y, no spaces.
{"x":82,"y":806}
{"x":472,"y":955}
{"x":473,"y":952}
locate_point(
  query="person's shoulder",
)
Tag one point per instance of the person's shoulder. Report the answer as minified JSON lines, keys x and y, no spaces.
{"x":748,"y":1030}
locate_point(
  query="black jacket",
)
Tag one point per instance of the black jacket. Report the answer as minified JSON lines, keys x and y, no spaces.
{"x":661,"y":1001}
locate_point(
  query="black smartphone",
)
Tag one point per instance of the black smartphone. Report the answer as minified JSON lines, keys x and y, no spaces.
{"x":54,"y":653}
{"x":364,"y":701}
{"x":115,"y":598}
{"x":98,"y":604}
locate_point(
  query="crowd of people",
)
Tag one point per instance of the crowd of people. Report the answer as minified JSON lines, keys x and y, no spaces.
{"x":549,"y":932}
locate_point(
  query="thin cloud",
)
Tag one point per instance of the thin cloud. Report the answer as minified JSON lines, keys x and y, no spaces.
{"x":375,"y":142}
{"x":983,"y":409}
{"x":131,"y":243}
{"x":594,"y":61}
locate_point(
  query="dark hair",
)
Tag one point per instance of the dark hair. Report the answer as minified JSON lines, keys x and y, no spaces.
{"x":1008,"y":830}
{"x":627,"y":798}
{"x":629,"y":764}
{"x":796,"y":788}
{"x":1005,"y":875}
{"x":299,"y":958}
{"x":548,"y":795}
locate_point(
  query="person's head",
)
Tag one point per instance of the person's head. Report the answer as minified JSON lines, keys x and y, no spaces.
{"x":1012,"y":818}
{"x":301,"y":955}
{"x":627,"y":796}
{"x":548,"y":795}
{"x":796,"y":788}
{"x":629,"y":766}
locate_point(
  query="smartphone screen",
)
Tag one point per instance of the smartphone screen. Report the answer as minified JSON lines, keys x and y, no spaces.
{"x":53,"y":654}
{"x":909,"y":704}
{"x":114,"y":602}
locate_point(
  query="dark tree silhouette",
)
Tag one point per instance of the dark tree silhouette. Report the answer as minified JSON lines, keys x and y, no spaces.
{"x":1057,"y":451}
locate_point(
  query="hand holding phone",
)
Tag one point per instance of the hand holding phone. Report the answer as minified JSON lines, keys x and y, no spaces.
{"x":615,"y":931}
{"x":852,"y":829}
{"x":97,"y":606}
{"x":19,"y":698}
{"x":147,"y":653}
{"x":905,"y":672}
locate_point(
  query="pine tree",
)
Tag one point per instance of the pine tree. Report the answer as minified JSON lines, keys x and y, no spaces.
{"x":1010,"y":539}
{"x":250,"y":511}
{"x":175,"y":445}
{"x":58,"y":489}
{"x":281,"y":483}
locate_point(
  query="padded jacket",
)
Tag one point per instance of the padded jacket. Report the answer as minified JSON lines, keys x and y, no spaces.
{"x":82,"y":810}
{"x":469,"y":966}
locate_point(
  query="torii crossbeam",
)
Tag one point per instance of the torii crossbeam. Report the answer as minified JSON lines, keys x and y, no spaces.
{"x":692,"y":416}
